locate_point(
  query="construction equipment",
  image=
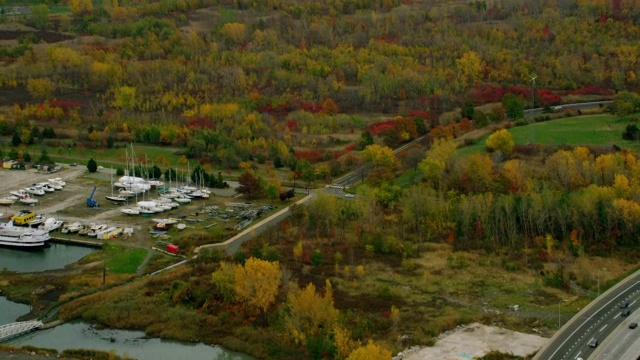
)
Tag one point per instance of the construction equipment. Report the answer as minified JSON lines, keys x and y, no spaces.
{"x":91,"y":202}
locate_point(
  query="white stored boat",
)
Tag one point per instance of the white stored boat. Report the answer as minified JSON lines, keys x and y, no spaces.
{"x":169,"y":221}
{"x":182,"y":200}
{"x":57,"y":181}
{"x":44,"y":187}
{"x":28,"y":200}
{"x":37,"y":221}
{"x":51,"y":224}
{"x":7,"y":201}
{"x":34,"y":190}
{"x":72,"y":228}
{"x":19,"y":193}
{"x":130,"y":211}
{"x":22,"y":237}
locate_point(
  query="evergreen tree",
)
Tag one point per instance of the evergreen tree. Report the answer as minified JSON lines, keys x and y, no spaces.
{"x":92,"y":166}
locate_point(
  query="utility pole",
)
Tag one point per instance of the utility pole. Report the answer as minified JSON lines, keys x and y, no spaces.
{"x":532,"y":133}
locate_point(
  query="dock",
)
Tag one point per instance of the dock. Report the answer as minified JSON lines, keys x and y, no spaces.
{"x":68,"y":240}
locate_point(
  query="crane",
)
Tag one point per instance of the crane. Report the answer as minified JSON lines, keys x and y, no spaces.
{"x":91,"y":202}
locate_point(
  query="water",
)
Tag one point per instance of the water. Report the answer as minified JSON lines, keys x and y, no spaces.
{"x":11,"y":311}
{"x":133,"y":344}
{"x":56,"y":256}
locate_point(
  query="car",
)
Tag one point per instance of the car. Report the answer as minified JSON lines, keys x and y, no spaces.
{"x":73,"y":164}
{"x":624,"y":305}
{"x":626,"y":313}
{"x":633,"y":325}
{"x":349,"y":196}
{"x":557,"y":108}
{"x":593,"y":343}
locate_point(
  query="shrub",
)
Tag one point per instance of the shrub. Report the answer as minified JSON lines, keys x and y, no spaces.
{"x":317,"y":258}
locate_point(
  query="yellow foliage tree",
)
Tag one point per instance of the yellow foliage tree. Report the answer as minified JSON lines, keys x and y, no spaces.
{"x":379,"y":156}
{"x":310,"y":313}
{"x":40,"y":88}
{"x":256,"y":283}
{"x":235,"y":32}
{"x":370,"y":351}
{"x":502,"y":141}
{"x":79,"y":7}
{"x":343,"y":342}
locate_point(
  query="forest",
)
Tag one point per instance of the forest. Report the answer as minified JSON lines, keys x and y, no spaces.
{"x":308,"y":90}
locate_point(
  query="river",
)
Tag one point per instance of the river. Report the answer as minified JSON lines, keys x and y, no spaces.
{"x":133,"y":344}
{"x":11,"y":311}
{"x":56,"y":256}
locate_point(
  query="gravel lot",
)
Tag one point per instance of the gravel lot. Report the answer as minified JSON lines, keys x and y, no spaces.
{"x":475,"y":340}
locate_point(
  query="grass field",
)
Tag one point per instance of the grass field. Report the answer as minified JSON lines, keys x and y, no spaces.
{"x":597,"y":130}
{"x":123,"y":260}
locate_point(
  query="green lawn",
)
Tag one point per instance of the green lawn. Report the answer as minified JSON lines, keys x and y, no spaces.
{"x":599,"y":130}
{"x":123,"y":260}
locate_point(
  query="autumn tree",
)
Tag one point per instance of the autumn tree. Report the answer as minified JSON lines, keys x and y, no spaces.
{"x":224,"y":281}
{"x":235,"y":32}
{"x":437,"y":160}
{"x":370,"y":351}
{"x":39,"y":16}
{"x":249,"y":185}
{"x":311,"y":314}
{"x":80,"y":7}
{"x":502,"y":141}
{"x":256,"y":283}
{"x":379,"y":156}
{"x":40,"y":88}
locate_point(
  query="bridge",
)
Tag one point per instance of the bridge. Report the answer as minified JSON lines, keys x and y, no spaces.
{"x":18,"y":328}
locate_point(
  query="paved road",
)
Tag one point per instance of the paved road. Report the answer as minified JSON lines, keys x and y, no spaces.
{"x":595,"y":321}
{"x":577,"y":106}
{"x":622,"y":343}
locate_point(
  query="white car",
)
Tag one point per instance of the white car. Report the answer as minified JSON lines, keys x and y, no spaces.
{"x":349,"y":196}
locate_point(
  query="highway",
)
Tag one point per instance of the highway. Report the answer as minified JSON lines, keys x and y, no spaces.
{"x":622,"y":343}
{"x":596,"y":321}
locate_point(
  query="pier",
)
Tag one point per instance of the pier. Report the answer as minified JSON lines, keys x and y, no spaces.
{"x":12,"y":330}
{"x":72,"y":241}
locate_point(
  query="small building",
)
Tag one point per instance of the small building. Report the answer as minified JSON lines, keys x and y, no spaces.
{"x":172,"y":248}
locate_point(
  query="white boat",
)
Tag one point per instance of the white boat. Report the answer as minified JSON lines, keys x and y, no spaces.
{"x":181,"y":226}
{"x":116,"y":198}
{"x":6,"y":201}
{"x":51,"y":224}
{"x":57,"y":181}
{"x":34,"y":190}
{"x":53,"y":185}
{"x":72,"y":228}
{"x":144,"y":210}
{"x":130,"y":211}
{"x":169,"y":221}
{"x":22,"y":237}
{"x":44,"y":187}
{"x":182,"y":200}
{"x":19,"y":193}
{"x":37,"y":221}
{"x":28,"y":200}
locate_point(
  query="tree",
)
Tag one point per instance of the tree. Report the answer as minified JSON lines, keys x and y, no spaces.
{"x":365,"y":140}
{"x":92,"y":166}
{"x":310,"y":313}
{"x":15,"y":139}
{"x":467,"y":110}
{"x":26,"y":157}
{"x":39,"y":16}
{"x":370,"y":351}
{"x":502,"y":141}
{"x":438,"y":160}
{"x":80,"y":7}
{"x":44,"y":157}
{"x":256,"y":283}
{"x":379,"y":156}
{"x":249,"y":185}
{"x":223,"y":279}
{"x":513,"y":106}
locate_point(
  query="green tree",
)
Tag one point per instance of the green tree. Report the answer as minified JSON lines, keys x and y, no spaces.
{"x":15,"y":139}
{"x":26,"y":157}
{"x":92,"y":166}
{"x":513,"y":106}
{"x":39,"y":16}
{"x":44,"y":157}
{"x":365,"y":140}
{"x":467,"y":110}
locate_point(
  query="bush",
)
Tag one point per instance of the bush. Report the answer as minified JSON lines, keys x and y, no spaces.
{"x":317,"y":258}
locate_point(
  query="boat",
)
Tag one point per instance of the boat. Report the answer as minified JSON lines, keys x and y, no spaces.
{"x":72,"y":228}
{"x":130,"y":211}
{"x":37,"y":221}
{"x":181,"y":226}
{"x":28,"y":200}
{"x":22,"y":237}
{"x":19,"y":193}
{"x":6,"y":201}
{"x":58,"y":181}
{"x":23,"y":218}
{"x":44,"y":187}
{"x":84,"y":230}
{"x":182,"y":200}
{"x":51,"y":224}
{"x":169,"y":221}
{"x":115,"y":198}
{"x":34,"y":190}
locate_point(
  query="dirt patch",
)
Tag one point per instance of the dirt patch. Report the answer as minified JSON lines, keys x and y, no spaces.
{"x":474,"y":341}
{"x":46,"y":36}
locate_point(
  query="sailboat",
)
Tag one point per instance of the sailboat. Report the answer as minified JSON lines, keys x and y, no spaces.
{"x":115,"y":198}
